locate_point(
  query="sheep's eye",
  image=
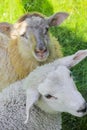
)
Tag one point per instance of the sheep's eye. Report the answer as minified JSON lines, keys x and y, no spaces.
{"x":22,"y":35}
{"x":46,"y":30}
{"x":48,"y":96}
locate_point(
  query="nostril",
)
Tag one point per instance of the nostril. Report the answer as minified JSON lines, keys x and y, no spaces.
{"x":41,"y":46}
{"x":45,"y":50}
{"x":82,"y":110}
{"x":41,"y":50}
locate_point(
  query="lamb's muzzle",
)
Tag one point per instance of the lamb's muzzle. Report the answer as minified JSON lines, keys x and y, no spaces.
{"x":83,"y":109}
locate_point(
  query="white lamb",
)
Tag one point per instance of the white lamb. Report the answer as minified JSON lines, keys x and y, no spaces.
{"x":44,"y":94}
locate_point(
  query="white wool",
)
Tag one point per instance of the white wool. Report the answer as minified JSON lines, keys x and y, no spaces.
{"x":13,"y":105}
{"x":12,"y":112}
{"x":13,"y":99}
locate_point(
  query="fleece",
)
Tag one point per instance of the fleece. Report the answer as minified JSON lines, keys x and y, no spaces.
{"x":12,"y":112}
{"x":14,"y":67}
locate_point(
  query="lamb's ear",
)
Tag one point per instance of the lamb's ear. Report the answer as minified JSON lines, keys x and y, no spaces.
{"x":72,"y":60}
{"x":57,"y":18}
{"x":32,"y":96}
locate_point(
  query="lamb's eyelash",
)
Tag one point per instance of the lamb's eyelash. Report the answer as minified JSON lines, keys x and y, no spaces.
{"x":50,"y":96}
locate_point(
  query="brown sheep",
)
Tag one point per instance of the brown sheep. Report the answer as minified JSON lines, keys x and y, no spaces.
{"x":26,"y":45}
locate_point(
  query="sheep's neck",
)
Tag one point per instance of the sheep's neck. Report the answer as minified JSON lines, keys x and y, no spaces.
{"x":21,"y":65}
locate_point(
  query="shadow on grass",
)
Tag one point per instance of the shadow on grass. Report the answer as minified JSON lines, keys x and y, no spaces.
{"x":74,"y":123}
{"x":42,"y":6}
{"x":72,"y":42}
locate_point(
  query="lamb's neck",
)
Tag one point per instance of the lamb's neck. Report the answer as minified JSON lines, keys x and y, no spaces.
{"x":45,"y":121}
{"x":38,"y":120}
{"x":22,"y":66}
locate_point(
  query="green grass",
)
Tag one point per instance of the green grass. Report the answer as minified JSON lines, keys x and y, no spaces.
{"x":10,"y":10}
{"x":72,"y":35}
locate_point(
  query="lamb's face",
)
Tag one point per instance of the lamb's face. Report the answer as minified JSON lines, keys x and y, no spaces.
{"x":33,"y":34}
{"x":59,"y":94}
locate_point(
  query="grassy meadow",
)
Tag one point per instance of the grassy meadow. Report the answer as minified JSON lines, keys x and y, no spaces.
{"x":72,"y":35}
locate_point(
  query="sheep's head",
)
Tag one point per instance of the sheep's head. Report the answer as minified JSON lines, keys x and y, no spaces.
{"x":32,"y":30}
{"x":58,"y":92}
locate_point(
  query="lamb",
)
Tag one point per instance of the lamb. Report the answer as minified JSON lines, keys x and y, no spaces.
{"x":42,"y":96}
{"x":27,"y":45}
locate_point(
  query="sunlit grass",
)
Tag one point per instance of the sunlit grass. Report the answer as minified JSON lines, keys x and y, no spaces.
{"x":10,"y":10}
{"x":77,"y":10}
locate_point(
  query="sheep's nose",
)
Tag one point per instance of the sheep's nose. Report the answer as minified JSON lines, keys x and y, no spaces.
{"x":41,"y":50}
{"x":83,"y":109}
{"x":41,"y":47}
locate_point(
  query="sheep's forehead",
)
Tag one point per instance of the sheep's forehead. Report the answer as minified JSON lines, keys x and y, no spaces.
{"x":36,"y":21}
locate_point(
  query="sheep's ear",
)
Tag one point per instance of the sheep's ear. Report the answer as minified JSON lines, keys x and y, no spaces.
{"x":72,"y":60}
{"x":32,"y":96}
{"x":5,"y":28}
{"x":57,"y":18}
{"x":20,"y":27}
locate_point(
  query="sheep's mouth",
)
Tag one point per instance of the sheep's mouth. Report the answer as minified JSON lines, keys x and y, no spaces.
{"x":41,"y":55}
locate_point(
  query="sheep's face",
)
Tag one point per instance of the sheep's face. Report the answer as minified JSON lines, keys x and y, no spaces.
{"x":59,"y":94}
{"x":34,"y":39}
{"x":37,"y":37}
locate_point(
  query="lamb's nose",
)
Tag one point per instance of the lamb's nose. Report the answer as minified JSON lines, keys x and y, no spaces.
{"x":84,"y":109}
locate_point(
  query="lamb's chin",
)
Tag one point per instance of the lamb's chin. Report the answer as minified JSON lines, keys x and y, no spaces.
{"x":81,"y":114}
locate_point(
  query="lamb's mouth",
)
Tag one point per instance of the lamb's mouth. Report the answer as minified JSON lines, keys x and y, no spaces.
{"x":41,"y":55}
{"x":78,"y":113}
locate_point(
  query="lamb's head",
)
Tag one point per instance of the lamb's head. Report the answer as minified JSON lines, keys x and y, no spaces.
{"x":32,"y":30}
{"x":58,"y":92}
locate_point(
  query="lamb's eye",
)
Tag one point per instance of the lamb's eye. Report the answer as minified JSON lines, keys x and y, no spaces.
{"x":48,"y":96}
